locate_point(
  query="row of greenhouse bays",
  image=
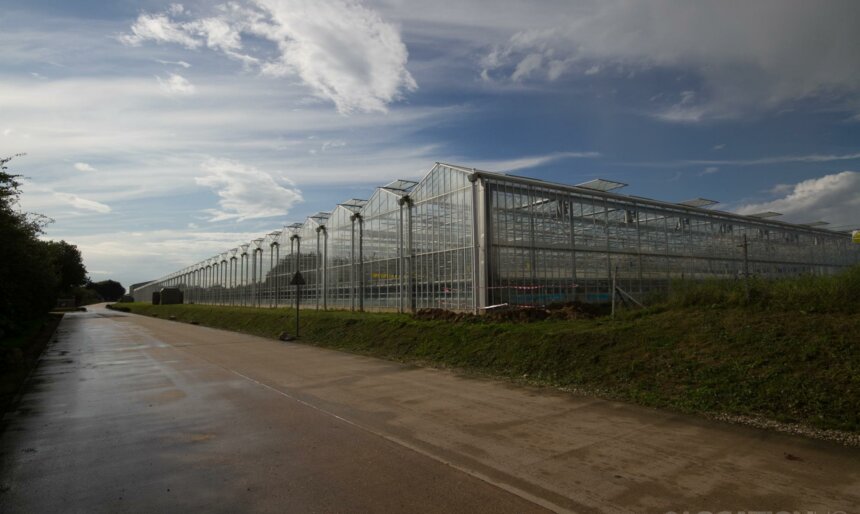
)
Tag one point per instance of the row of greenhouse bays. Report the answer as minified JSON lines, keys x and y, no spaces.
{"x":545,"y":245}
{"x":549,"y":246}
{"x":382,"y":288}
{"x":333,"y":261}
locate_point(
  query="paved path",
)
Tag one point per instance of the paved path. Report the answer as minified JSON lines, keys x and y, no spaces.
{"x":134,"y":414}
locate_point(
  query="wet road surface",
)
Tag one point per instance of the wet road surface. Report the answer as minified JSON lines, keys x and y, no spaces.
{"x":134,"y":414}
{"x":116,"y":420}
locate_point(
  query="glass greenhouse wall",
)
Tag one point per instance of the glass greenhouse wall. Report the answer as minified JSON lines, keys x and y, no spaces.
{"x":465,"y":240}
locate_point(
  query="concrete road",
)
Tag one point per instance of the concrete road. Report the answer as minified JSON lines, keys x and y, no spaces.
{"x":134,"y":414}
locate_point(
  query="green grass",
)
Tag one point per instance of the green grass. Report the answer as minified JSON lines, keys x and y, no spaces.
{"x":834,"y":293}
{"x":798,"y":365}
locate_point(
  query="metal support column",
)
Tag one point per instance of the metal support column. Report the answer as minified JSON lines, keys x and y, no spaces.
{"x":357,"y":217}
{"x":352,"y":264}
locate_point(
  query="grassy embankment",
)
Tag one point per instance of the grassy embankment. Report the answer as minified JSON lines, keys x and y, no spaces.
{"x":788,"y":351}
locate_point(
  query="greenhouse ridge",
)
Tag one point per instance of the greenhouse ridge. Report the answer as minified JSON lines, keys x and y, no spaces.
{"x":464,"y":239}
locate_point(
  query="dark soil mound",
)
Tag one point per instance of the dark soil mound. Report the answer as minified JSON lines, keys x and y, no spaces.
{"x":557,"y":311}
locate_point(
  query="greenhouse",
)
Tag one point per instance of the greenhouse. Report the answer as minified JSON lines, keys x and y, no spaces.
{"x":468,"y":240}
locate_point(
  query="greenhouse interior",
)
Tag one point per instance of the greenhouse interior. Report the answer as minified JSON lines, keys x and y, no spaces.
{"x":463,"y":239}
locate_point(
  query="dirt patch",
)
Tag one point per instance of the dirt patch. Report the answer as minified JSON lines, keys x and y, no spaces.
{"x":557,"y":311}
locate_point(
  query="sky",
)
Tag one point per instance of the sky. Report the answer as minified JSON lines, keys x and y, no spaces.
{"x":157,"y":134}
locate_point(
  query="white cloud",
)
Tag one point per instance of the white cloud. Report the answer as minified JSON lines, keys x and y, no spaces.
{"x":175,"y":63}
{"x":328,"y":145}
{"x":527,"y":66}
{"x":163,"y":142}
{"x":219,"y":34}
{"x":159,"y":28}
{"x":176,"y":84}
{"x":523,"y":163}
{"x":747,"y":56}
{"x":710,"y":170}
{"x":82,"y":203}
{"x":139,"y":256}
{"x":781,"y":189}
{"x":341,"y":50}
{"x":246,"y":192}
{"x":82,"y":166}
{"x":777,"y":159}
{"x":833,"y":198}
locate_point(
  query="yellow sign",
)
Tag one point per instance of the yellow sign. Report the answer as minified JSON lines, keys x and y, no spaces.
{"x":855,"y":236}
{"x":384,"y":276}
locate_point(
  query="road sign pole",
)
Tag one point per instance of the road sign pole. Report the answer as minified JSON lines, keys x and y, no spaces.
{"x":298,"y":280}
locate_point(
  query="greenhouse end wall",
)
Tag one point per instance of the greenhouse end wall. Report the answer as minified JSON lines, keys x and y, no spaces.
{"x":467,"y":240}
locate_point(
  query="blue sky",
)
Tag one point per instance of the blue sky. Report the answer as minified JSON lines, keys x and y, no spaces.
{"x":160,"y":133}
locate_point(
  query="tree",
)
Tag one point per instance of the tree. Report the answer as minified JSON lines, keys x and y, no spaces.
{"x":109,"y":290}
{"x":32,"y":271}
{"x":68,"y":264}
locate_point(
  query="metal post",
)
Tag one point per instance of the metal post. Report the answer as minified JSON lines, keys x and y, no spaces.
{"x":318,"y":277}
{"x":401,"y":260}
{"x":260,"y":288}
{"x":745,"y":246}
{"x":244,"y":279}
{"x":277,"y":275}
{"x":614,"y":273}
{"x":476,"y":245}
{"x":231,"y":280}
{"x":298,"y":296}
{"x":352,"y":263}
{"x":409,"y":256}
{"x":638,"y":248}
{"x":360,"y":262}
{"x":325,"y":268}
{"x":271,"y":269}
{"x":606,"y":234}
{"x":225,"y":271}
{"x":296,"y":260}
{"x":254,"y":278}
{"x":573,"y":246}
